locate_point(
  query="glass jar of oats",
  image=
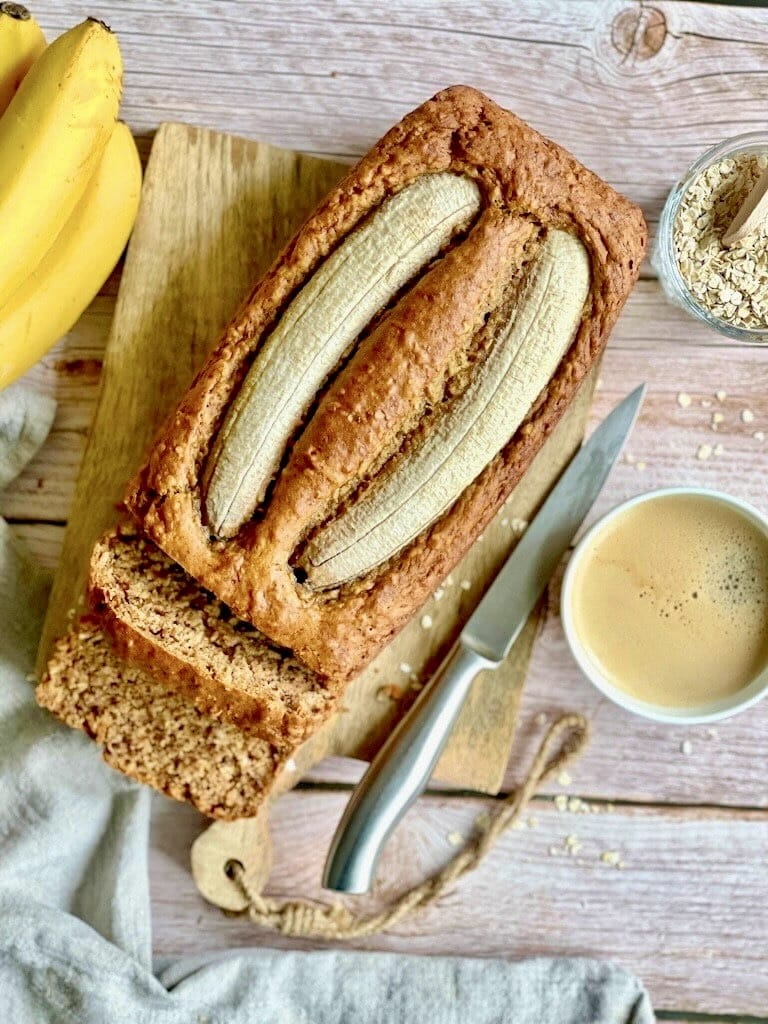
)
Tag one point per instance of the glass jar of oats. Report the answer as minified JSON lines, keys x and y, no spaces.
{"x":726,"y":287}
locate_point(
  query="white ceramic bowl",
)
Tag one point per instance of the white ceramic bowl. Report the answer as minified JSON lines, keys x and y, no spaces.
{"x":712,"y":712}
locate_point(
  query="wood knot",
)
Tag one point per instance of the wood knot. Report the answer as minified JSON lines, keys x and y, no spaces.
{"x":78,"y":367}
{"x":638,"y":33}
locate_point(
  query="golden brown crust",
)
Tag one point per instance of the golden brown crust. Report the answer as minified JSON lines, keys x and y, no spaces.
{"x":337,"y":633}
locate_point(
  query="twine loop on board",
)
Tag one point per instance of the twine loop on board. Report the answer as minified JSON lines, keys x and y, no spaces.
{"x":565,"y":740}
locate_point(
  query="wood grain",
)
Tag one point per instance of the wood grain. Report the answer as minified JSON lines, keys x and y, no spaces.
{"x":636,"y":106}
{"x":330,"y":78}
{"x":698,"y":945}
{"x":44,"y":541}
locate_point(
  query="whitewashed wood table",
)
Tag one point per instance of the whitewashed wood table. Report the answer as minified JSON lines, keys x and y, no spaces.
{"x":636,"y":91}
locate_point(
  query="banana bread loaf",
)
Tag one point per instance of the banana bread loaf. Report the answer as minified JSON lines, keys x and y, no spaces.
{"x":382,"y":391}
{"x":390,"y":379}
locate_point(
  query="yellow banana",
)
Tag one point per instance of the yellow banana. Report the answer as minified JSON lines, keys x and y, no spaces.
{"x":70,"y":274}
{"x":52,"y":137}
{"x":21,"y":43}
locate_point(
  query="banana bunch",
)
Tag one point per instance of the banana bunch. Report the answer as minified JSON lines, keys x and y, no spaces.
{"x":70,"y":178}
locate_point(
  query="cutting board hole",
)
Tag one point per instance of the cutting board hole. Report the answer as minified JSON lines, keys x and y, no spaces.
{"x":232,"y":867}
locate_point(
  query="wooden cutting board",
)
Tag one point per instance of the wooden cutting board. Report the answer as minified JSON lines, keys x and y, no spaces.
{"x":215,"y":210}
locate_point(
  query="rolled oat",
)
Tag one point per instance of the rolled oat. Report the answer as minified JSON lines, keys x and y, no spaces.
{"x":730,"y":283}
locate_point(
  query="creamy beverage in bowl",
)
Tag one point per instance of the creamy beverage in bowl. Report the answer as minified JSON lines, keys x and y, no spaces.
{"x":665,"y":605}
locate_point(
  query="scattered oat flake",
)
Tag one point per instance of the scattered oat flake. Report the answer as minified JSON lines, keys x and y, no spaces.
{"x":683,"y":400}
{"x":554,"y":851}
{"x":747,"y":416}
{"x":611,"y":857}
{"x":540,"y":719}
{"x":703,"y":452}
{"x":717,"y":417}
{"x":599,"y":384}
{"x":448,"y":582}
{"x":455,"y":838}
{"x":505,"y":521}
{"x":465,"y":585}
{"x":718,"y":449}
{"x":711,"y":734}
{"x":686,"y":747}
{"x":572,"y":844}
{"x":389,"y":692}
{"x":426,"y":622}
{"x":721,"y":396}
{"x":290,"y":765}
{"x":519,"y":525}
{"x":629,"y":458}
{"x":706,"y":404}
{"x":561,"y":802}
{"x":405,"y":668}
{"x":640,"y":466}
{"x":439,"y":594}
{"x":533,"y":823}
{"x":759,"y":435}
{"x":564,"y":779}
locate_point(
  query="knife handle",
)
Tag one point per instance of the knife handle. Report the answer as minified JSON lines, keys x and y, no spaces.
{"x":399,"y":773}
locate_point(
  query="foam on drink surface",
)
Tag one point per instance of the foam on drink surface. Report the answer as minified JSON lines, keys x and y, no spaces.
{"x":671,"y":600}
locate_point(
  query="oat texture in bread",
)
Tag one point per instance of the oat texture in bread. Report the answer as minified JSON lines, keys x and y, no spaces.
{"x":158,"y":617}
{"x":257,"y":490}
{"x":153,"y":733}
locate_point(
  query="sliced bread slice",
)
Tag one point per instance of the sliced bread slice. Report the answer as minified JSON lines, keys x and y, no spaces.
{"x":154,"y":734}
{"x":162,"y":621}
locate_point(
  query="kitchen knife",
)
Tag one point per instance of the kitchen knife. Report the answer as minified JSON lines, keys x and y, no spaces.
{"x":402,"y":768}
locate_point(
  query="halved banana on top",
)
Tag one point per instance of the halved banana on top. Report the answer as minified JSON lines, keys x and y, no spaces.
{"x":317,"y":329}
{"x":416,"y":488}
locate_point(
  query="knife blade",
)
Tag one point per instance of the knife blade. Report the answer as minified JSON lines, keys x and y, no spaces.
{"x":402,"y":768}
{"x":499,"y":618}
